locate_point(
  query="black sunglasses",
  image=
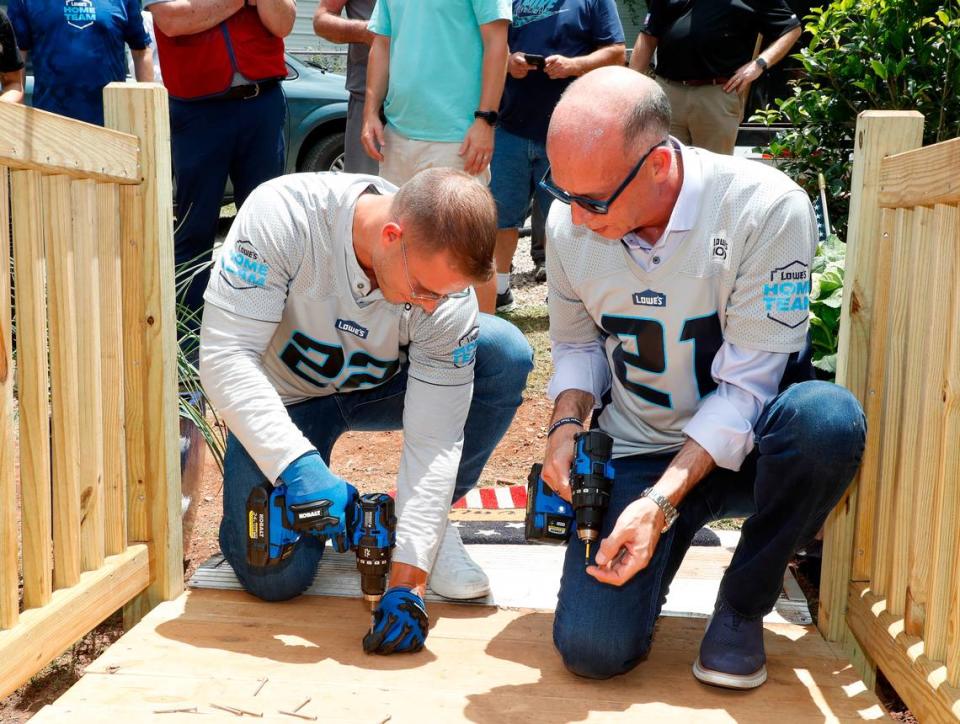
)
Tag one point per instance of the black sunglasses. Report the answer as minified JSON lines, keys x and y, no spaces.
{"x":595,"y":206}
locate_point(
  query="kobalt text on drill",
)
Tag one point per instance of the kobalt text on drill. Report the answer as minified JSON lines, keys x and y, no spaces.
{"x":550,"y":518}
{"x":273,"y":531}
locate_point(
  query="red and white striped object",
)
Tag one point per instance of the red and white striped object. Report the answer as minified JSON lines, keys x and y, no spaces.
{"x":498,"y":498}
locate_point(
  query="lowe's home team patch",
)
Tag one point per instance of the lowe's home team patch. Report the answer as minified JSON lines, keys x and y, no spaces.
{"x":242,"y":267}
{"x":786,"y":298}
{"x":466,"y":352}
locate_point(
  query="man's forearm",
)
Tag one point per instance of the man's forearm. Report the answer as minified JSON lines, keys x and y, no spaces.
{"x":775,"y":52}
{"x":378,"y":73}
{"x":143,"y":65}
{"x":643,"y":53}
{"x":495,"y":55}
{"x":11,"y":87}
{"x":277,"y":16}
{"x":338,"y":29}
{"x":690,"y":465}
{"x":573,"y":403}
{"x":607,"y":55}
{"x":187,"y":17}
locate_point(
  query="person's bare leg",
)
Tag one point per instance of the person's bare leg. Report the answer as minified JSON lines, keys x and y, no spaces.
{"x":487,"y":296}
{"x":506,"y":248}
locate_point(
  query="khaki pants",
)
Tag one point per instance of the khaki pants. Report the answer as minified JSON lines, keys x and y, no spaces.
{"x":704,"y":116}
{"x":403,"y":157}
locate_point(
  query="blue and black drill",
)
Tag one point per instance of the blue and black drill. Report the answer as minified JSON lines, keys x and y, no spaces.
{"x":550,"y":518}
{"x":273,"y":530}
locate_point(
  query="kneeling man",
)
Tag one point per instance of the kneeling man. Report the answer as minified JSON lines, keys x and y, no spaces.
{"x":341,"y":303}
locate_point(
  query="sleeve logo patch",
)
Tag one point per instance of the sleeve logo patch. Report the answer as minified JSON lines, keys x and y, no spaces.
{"x":242,"y":267}
{"x":786,"y":298}
{"x":466,"y":352}
{"x":650,"y":298}
{"x":345,"y":325}
{"x":719,"y":251}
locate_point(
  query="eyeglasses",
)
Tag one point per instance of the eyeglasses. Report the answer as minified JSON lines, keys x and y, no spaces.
{"x":423,"y":296}
{"x":595,"y":206}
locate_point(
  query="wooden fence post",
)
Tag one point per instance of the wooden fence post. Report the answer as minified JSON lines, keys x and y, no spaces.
{"x":878,"y":134}
{"x":150,"y":359}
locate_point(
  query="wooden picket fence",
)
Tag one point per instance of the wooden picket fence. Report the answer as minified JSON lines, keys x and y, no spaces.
{"x":89,"y":468}
{"x":891,"y":579}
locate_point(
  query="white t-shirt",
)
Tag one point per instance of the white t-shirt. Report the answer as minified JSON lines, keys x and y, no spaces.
{"x":740,"y":275}
{"x":289,"y":316}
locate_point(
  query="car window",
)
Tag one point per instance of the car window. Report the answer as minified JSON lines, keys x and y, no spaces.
{"x":292,"y":74}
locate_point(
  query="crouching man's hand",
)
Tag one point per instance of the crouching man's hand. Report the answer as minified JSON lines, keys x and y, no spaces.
{"x":400,"y":623}
{"x":630,"y":545}
{"x":320,"y":501}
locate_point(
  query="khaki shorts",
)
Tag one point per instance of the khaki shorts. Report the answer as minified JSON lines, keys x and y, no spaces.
{"x":404,"y":157}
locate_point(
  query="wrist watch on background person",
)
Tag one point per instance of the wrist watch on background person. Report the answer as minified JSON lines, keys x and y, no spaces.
{"x":669,"y":512}
{"x":762,"y":63}
{"x":489,"y":116}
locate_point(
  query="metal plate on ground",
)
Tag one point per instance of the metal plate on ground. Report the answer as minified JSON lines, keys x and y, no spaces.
{"x":528,"y":576}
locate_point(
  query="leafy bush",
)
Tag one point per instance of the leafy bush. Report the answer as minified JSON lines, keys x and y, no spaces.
{"x":826,"y":296}
{"x":866,"y":55}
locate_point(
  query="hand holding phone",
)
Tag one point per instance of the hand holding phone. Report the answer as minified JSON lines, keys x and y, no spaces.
{"x":537,"y":61}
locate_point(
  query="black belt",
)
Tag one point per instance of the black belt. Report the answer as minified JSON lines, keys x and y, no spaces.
{"x":697,"y":81}
{"x":251,"y":90}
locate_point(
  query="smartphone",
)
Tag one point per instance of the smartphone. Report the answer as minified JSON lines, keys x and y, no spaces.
{"x":537,"y":61}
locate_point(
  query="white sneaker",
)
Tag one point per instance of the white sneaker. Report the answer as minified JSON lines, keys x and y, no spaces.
{"x":455,"y":574}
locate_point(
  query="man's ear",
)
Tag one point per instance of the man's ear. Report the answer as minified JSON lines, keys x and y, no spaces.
{"x":391,"y":233}
{"x":661,"y":158}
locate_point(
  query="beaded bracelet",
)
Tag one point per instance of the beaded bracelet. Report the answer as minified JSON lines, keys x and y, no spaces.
{"x":564,"y":421}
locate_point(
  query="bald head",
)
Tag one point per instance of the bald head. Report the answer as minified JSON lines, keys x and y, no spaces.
{"x":607,"y":106}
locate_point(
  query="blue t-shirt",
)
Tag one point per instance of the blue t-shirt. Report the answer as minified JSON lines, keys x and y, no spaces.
{"x":551,"y":27}
{"x":77,"y":47}
{"x":436,"y":63}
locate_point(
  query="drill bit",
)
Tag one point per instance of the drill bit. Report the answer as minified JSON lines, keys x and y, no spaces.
{"x":586,"y":557}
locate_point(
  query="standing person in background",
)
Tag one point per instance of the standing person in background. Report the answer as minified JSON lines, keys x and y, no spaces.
{"x":222,"y":63}
{"x":440,"y":66}
{"x":353,"y":29}
{"x":78,"y":47}
{"x":551,"y":43}
{"x":154,"y":56}
{"x":705,"y":61}
{"x":11,"y":64}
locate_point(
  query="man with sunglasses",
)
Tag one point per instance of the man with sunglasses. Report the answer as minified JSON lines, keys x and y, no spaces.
{"x":678,"y":290}
{"x":342,"y":303}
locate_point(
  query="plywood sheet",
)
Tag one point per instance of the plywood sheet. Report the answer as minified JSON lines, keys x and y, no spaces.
{"x":481,"y":664}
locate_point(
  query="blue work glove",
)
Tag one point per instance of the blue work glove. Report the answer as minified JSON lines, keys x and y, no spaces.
{"x":318,"y":501}
{"x":400,"y":624}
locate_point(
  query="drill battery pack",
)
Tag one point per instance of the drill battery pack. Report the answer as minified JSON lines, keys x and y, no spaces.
{"x":549,"y":518}
{"x":265,"y":516}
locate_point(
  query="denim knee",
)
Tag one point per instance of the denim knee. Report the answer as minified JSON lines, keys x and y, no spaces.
{"x":277,"y":586}
{"x":504,"y":360}
{"x":594,"y":657}
{"x":824,"y":419}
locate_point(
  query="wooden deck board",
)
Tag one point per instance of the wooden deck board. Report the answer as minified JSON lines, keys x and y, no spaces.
{"x":481,"y":664}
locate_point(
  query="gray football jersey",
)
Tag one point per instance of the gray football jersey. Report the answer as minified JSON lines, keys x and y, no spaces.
{"x":289,"y":259}
{"x":741,"y":274}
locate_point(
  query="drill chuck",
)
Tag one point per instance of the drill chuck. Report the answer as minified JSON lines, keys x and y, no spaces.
{"x":591,"y":480}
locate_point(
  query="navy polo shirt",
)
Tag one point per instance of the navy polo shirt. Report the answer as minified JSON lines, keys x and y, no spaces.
{"x":77,"y":47}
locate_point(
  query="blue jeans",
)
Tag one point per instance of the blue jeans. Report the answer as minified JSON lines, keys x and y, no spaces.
{"x":809,"y":442}
{"x":516,"y":168}
{"x":504,"y":360}
{"x":210,"y":140}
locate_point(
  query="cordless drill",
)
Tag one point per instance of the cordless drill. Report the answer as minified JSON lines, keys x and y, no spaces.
{"x":549,"y":518}
{"x":374,"y":539}
{"x":273,"y":529}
